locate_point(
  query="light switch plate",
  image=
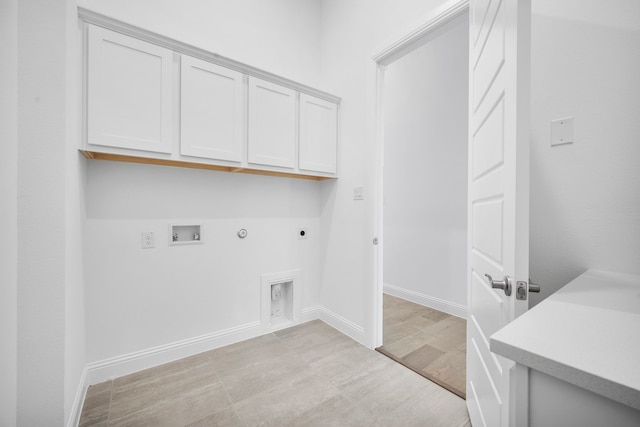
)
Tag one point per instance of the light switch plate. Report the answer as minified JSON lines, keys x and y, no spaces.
{"x":562,"y":131}
{"x":358,"y":192}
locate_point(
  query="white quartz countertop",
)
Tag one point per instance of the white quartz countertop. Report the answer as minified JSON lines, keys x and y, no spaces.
{"x":587,"y":333}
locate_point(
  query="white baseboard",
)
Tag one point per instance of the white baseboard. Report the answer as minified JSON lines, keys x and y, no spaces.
{"x":310,"y":313}
{"x":78,"y":400}
{"x":342,"y":324}
{"x":306,"y":315}
{"x":104,"y":370}
{"x":118,"y":366}
{"x":439,"y":304}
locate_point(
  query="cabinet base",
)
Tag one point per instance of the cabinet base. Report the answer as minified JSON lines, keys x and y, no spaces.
{"x":93,"y":155}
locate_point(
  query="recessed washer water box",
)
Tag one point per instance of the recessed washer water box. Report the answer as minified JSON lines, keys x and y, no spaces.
{"x":185,"y":234}
{"x":280,"y":302}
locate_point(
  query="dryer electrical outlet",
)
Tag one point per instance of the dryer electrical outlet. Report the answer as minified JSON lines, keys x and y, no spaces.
{"x":303,"y":233}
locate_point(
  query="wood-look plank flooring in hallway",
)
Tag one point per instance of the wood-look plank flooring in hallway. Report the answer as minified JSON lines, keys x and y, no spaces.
{"x":428,"y":341}
{"x":307,"y":375}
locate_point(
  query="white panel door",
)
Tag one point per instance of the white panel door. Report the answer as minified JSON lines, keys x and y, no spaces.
{"x":318,"y":134}
{"x":497,"y":390}
{"x":211,"y":110}
{"x":129,"y":92}
{"x":272,"y":124}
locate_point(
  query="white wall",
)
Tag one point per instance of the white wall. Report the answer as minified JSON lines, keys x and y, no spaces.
{"x":42,"y":141}
{"x":585,"y":197}
{"x":48,"y":253}
{"x":8,"y":212}
{"x":141,"y":299}
{"x":353,"y":32}
{"x":41,"y":213}
{"x":584,"y":206}
{"x":75,"y":176}
{"x":425,"y":172}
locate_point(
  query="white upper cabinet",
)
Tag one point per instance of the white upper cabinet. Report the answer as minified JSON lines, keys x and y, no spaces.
{"x":272,"y":124}
{"x":129,"y":100}
{"x":211,"y":110}
{"x":152,"y":99}
{"x":318,"y":134}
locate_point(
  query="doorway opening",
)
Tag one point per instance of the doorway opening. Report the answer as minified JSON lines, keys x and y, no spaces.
{"x":423,"y":122}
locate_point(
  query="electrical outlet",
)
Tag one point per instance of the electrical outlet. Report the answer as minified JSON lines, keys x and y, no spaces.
{"x":148,"y":240}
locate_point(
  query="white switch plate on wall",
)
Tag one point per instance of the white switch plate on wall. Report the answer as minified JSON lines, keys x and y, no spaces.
{"x":358,"y":192}
{"x":562,"y":131}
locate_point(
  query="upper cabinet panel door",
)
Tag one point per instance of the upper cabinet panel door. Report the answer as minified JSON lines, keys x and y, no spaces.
{"x":129,"y":92}
{"x":318,"y":134}
{"x":211,"y":119}
{"x":272,"y":124}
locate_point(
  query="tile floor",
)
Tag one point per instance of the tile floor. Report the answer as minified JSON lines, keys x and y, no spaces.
{"x":429,"y":341}
{"x":307,"y":375}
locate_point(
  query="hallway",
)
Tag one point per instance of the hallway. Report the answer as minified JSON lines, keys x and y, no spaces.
{"x":428,"y":341}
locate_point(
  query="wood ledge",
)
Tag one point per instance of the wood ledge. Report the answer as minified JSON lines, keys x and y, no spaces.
{"x":93,"y":155}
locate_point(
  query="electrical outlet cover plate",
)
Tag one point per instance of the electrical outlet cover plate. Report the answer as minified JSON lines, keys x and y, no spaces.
{"x":148,"y":240}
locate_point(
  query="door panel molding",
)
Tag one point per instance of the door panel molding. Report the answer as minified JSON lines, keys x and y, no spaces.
{"x":498,"y":202}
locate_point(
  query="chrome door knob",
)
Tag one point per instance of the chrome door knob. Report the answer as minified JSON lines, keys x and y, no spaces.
{"x":504,"y":284}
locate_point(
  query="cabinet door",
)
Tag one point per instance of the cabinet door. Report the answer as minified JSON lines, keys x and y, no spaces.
{"x":318,"y":134}
{"x":129,"y":84}
{"x":211,"y":110}
{"x":272,"y":124}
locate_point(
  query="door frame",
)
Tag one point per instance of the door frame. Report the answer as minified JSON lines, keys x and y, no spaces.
{"x":433,"y":26}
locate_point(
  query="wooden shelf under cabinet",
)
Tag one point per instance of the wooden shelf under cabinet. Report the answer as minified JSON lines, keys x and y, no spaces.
{"x":93,"y":155}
